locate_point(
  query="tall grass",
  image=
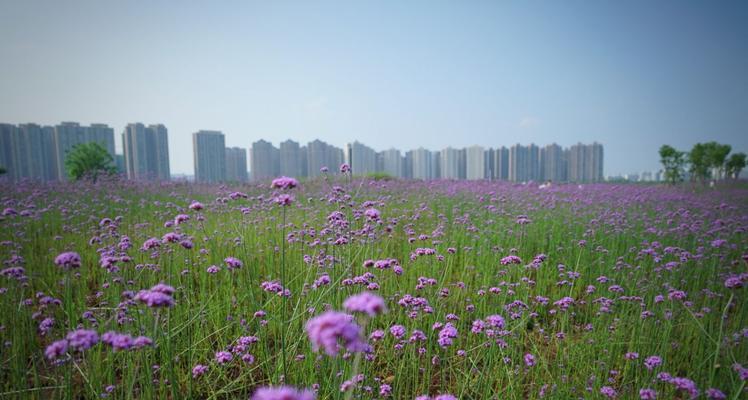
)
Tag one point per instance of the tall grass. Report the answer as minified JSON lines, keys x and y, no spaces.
{"x":632,"y":243}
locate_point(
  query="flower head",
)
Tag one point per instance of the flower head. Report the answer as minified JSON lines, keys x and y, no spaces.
{"x":284,"y":182}
{"x":283,"y":393}
{"x":82,"y":339}
{"x":68,"y":260}
{"x":56,"y":349}
{"x":529,"y":360}
{"x":198,"y":370}
{"x":365,"y":302}
{"x":233,"y":263}
{"x":283,"y":199}
{"x":327,"y":329}
{"x":373,"y":214}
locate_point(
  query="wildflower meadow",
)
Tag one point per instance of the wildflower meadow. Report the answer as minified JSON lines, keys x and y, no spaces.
{"x":354,"y":288}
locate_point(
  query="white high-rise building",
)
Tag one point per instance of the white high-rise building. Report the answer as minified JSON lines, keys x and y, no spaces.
{"x":475,"y":163}
{"x":322,"y":155}
{"x":422,"y":164}
{"x":450,"y":166}
{"x":37,"y":153}
{"x":69,"y":134}
{"x":236,"y":164}
{"x":290,"y":159}
{"x":209,"y":154}
{"x":264,"y":159}
{"x":500,"y":163}
{"x":146,"y":151}
{"x":361,"y":158}
{"x":553,"y":163}
{"x":392,"y":163}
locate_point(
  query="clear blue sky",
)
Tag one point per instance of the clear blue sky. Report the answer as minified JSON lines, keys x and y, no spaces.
{"x":630,"y":74}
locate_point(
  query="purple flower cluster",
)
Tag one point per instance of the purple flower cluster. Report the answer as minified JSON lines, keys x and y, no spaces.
{"x":68,"y":260}
{"x":284,"y":182}
{"x":159,"y":295}
{"x":233,"y":263}
{"x":283,"y":393}
{"x":123,"y":341}
{"x":283,"y":199}
{"x":331,"y":327}
{"x":512,"y":259}
{"x":438,"y":397}
{"x":365,"y":302}
{"x":275,"y":287}
{"x":79,"y":340}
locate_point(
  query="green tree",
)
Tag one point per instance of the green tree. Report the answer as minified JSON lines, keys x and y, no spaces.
{"x":735,"y":164}
{"x":88,"y":160}
{"x":673,"y":162}
{"x":717,"y":155}
{"x":3,"y":170}
{"x":700,"y":162}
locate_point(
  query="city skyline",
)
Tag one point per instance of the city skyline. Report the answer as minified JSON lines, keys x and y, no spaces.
{"x":146,"y":156}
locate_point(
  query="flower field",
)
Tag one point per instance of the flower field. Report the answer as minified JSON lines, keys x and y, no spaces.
{"x":345,"y":288}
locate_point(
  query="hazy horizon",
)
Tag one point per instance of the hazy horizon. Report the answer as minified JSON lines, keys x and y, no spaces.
{"x":631,"y":76}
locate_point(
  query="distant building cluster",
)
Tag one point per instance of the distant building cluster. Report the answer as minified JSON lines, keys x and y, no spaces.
{"x":518,"y":163}
{"x":214,"y":162}
{"x":30,"y":151}
{"x":146,"y":152}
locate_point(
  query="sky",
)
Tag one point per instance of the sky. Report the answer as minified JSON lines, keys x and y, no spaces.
{"x":632,"y":75}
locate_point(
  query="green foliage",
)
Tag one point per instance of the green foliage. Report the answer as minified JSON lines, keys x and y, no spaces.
{"x":716,"y":156}
{"x":735,"y":164}
{"x":673,"y":162}
{"x":380,"y":176}
{"x":3,"y":170}
{"x":89,"y":160}
{"x":700,"y":162}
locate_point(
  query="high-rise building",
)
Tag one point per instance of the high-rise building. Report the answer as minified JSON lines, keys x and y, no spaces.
{"x":303,"y":162}
{"x":392,"y":163}
{"x":450,"y":166}
{"x":475,"y":163}
{"x":119,"y":162}
{"x":9,"y":157}
{"x":361,"y":158}
{"x":317,"y":158}
{"x":576,"y":163}
{"x":533,"y":163}
{"x":209,"y":155}
{"x":408,"y":165}
{"x":553,"y":163}
{"x":518,"y":162}
{"x":160,"y":134}
{"x":462,"y":163}
{"x":264,"y":160}
{"x":290,"y":159}
{"x":595,"y":162}
{"x":236,"y":164}
{"x":422,"y":164}
{"x":436,"y":164}
{"x":585,"y":162}
{"x":36,"y":151}
{"x":103,"y":135}
{"x":66,"y":135}
{"x":321,"y":154}
{"x":69,"y":134}
{"x":499,"y":163}
{"x":146,"y":151}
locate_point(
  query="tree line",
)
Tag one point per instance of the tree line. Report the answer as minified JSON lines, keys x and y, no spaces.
{"x":705,"y":162}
